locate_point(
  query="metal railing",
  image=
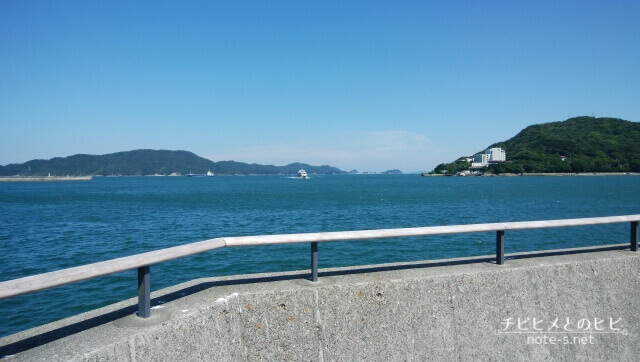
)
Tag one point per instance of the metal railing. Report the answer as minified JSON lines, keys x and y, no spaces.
{"x":142,"y":262}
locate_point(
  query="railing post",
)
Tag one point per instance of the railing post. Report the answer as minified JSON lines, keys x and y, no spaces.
{"x":634,"y":236}
{"x":314,"y":262}
{"x":144,"y":291}
{"x":500,"y":247}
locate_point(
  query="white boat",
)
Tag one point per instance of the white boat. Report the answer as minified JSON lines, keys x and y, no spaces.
{"x":302,"y":173}
{"x":209,"y":173}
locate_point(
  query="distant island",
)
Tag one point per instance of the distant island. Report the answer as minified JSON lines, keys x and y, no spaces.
{"x":151,"y":162}
{"x":395,"y":171}
{"x":577,"y":145}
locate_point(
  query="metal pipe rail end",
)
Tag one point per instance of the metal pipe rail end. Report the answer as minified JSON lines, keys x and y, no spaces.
{"x":500,"y":247}
{"x":634,"y":236}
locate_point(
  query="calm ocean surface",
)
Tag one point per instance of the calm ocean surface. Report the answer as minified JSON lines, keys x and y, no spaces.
{"x":54,"y":225}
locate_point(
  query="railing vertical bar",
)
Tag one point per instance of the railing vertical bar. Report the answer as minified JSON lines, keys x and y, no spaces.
{"x":500,"y":247}
{"x":144,"y":291}
{"x":314,"y":262}
{"x":634,"y":236}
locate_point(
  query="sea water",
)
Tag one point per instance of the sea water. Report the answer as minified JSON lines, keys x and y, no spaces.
{"x":54,"y":225}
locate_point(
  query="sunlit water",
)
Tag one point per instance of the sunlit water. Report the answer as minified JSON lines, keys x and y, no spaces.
{"x":55,"y":225}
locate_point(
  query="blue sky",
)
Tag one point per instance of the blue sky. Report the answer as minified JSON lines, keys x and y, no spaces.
{"x":367,"y":85}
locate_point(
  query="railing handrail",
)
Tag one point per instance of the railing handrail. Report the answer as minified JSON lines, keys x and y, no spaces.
{"x":15,"y":287}
{"x":419,"y":231}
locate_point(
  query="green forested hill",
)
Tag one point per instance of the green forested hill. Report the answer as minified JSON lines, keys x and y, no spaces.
{"x":149,"y":162}
{"x":590,"y":145}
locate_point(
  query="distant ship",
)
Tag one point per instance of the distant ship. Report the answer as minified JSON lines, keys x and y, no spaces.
{"x":302,"y":173}
{"x":209,"y":173}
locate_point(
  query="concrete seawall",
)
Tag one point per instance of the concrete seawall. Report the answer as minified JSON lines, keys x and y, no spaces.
{"x":547,"y":305}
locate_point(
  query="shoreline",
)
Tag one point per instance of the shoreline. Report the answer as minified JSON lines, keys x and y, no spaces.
{"x":556,"y":174}
{"x":542,"y":174}
{"x":45,"y":178}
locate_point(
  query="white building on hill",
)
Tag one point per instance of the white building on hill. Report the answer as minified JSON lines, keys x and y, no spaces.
{"x":490,"y":155}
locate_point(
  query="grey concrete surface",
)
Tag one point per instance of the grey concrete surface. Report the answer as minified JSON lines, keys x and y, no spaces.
{"x":456,"y":309}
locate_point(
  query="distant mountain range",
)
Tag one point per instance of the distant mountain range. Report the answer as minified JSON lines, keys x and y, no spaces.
{"x":151,"y":162}
{"x":580,"y":144}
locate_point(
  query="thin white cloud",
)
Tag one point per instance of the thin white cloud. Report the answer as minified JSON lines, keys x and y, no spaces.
{"x":390,"y":141}
{"x":365,"y":151}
